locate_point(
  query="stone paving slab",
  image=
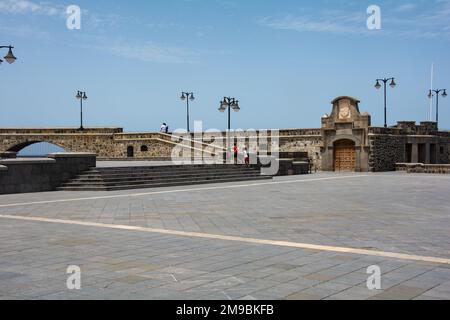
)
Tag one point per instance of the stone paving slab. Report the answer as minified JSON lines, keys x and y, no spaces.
{"x":140,"y":274}
{"x":389,"y":212}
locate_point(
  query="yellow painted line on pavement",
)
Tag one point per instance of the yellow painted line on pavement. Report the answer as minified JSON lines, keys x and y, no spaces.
{"x":375,"y":253}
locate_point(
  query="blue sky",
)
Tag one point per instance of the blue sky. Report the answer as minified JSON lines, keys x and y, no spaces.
{"x":284,"y":60}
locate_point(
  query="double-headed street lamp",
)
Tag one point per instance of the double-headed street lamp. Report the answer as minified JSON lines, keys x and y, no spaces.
{"x":230,"y":103}
{"x":10,"y":58}
{"x":81,"y":96}
{"x":442,"y":92}
{"x":378,"y":86}
{"x":187,"y":96}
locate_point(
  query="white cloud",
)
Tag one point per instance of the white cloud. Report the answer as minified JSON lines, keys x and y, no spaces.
{"x":25,"y":6}
{"x":406,"y":7}
{"x":404,"y":20}
{"x":431,"y":22}
{"x":100,"y":23}
{"x":90,"y":20}
{"x":327,"y":22}
{"x":152,"y":52}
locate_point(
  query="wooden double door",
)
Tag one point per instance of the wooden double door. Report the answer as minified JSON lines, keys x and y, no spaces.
{"x":344,"y":156}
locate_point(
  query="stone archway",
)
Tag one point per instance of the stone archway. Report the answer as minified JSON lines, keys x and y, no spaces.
{"x":18,"y":147}
{"x":41,"y":145}
{"x":344,"y":155}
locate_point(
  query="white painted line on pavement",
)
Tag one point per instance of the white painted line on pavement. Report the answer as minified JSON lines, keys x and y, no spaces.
{"x":375,"y":253}
{"x":132,"y":195}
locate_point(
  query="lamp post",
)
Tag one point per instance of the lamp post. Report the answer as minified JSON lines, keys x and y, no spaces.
{"x":187,"y":96}
{"x":378,"y":86}
{"x":81,"y":96}
{"x":443,"y":93}
{"x":10,"y":58}
{"x":229,"y":103}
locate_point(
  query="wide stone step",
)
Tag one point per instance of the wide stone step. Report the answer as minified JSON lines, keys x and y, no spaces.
{"x":163,"y":184}
{"x":162,"y":171}
{"x":160,"y":176}
{"x":158,"y":180}
{"x":163,"y":168}
{"x":168,"y":175}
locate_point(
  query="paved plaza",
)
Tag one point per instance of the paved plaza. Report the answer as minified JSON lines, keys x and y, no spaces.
{"x":297,"y":237}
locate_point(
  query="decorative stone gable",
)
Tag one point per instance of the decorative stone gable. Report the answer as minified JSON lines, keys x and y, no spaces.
{"x":345,"y":136}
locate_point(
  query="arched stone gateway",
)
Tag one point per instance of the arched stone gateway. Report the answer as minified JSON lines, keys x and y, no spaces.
{"x":345,"y":137}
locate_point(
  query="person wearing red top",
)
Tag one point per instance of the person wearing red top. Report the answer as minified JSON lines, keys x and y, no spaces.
{"x":236,"y":152}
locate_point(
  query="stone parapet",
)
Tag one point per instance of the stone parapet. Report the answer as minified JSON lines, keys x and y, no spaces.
{"x":8,"y":155}
{"x":9,"y":162}
{"x":391,"y":131}
{"x":71,"y":155}
{"x":423,"y":168}
{"x":104,"y":130}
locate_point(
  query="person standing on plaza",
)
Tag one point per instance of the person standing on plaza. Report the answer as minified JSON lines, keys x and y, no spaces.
{"x":163,"y":128}
{"x":236,"y":153}
{"x":246,"y":157}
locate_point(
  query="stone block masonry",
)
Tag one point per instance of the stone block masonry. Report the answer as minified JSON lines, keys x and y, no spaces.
{"x":385,"y":151}
{"x":107,"y":143}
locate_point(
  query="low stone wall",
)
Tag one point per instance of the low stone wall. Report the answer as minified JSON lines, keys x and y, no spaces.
{"x":423,"y":168}
{"x":42,"y":174}
{"x":287,"y":167}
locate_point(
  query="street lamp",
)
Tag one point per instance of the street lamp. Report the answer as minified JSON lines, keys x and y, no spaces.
{"x":187,"y":96}
{"x":10,"y":58}
{"x":437,"y":92}
{"x":81,"y":96}
{"x":229,"y":103}
{"x":378,"y":86}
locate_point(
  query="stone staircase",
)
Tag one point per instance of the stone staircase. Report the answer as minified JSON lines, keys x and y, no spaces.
{"x":109,"y":179}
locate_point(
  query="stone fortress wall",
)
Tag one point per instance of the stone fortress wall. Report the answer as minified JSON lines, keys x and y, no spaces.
{"x":113,"y":143}
{"x":386,"y":146}
{"x":408,"y":142}
{"x":372,"y":148}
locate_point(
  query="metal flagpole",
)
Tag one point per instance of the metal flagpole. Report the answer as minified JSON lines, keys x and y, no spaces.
{"x":431,"y":88}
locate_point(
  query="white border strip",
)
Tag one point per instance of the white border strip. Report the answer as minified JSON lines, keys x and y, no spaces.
{"x":375,"y":253}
